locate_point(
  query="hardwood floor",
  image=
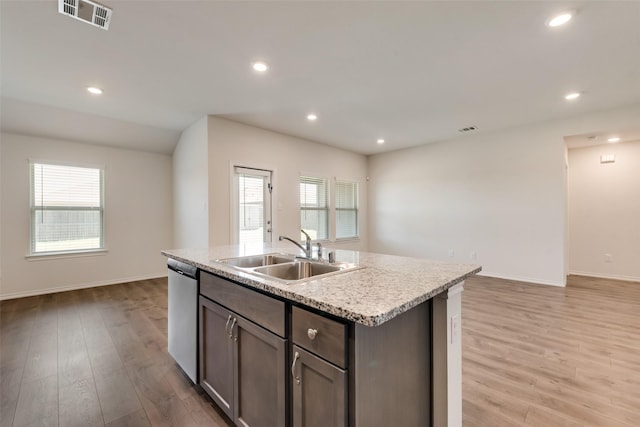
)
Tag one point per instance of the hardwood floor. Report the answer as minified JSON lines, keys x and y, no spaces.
{"x":537,"y":355}
{"x":532,"y":356}
{"x":95,"y":357}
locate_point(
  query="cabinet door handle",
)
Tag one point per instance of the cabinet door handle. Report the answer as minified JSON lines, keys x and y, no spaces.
{"x":231,"y":328}
{"x":293,"y":368}
{"x":312,"y":333}
{"x":226,"y":326}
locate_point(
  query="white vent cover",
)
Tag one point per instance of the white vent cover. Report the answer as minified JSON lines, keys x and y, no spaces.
{"x":468,"y":129}
{"x":87,"y":11}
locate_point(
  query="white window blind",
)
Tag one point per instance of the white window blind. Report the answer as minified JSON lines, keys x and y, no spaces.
{"x":314,"y":207}
{"x":346,"y":209}
{"x":67,"y":208}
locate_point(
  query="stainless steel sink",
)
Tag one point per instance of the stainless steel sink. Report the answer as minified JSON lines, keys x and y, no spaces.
{"x":297,"y":270}
{"x":286,"y":268}
{"x":253,"y":261}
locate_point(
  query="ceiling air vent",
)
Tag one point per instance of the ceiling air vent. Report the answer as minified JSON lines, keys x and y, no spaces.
{"x":87,"y":11}
{"x":468,"y":129}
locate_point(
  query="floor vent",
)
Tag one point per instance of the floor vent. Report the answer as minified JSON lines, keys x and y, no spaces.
{"x":86,"y":11}
{"x":468,"y":129}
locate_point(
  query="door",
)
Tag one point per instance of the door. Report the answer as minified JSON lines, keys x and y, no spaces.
{"x":251,"y":219}
{"x":216,"y":354}
{"x":319,"y":391}
{"x":260,"y":376}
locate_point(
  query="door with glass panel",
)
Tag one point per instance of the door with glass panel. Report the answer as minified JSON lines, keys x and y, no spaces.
{"x":252,"y":206}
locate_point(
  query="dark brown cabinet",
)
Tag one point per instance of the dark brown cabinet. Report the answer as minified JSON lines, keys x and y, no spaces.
{"x":331,"y":372}
{"x":216,"y":354}
{"x":242,"y":367}
{"x":319,"y":391}
{"x":318,"y":370}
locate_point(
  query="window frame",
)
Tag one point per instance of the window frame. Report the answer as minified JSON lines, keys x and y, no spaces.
{"x":326,"y":209}
{"x":356,"y":209}
{"x":33,"y":209}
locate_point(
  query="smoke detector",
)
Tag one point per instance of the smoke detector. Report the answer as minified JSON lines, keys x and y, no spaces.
{"x":87,"y":11}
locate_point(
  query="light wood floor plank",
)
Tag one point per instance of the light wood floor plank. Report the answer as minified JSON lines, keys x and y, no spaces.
{"x":533,"y":356}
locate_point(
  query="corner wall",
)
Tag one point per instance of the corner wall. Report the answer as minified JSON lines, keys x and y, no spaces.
{"x":288,"y":157}
{"x":138,"y":219}
{"x":604,"y":212}
{"x":500,"y":195}
{"x":191,"y":188}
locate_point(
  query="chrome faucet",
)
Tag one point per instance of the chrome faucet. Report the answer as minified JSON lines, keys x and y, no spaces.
{"x":306,"y":249}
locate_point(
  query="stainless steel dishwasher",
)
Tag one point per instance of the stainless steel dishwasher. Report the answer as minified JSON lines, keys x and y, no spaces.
{"x":183,"y":316}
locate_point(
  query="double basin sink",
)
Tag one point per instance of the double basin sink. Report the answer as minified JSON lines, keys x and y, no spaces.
{"x":285,"y":267}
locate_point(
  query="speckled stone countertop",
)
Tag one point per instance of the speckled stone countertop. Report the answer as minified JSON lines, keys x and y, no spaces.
{"x":385,"y":287}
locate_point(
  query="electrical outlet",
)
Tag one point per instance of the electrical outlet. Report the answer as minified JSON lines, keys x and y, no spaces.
{"x":473,"y":255}
{"x":608,"y":258}
{"x":455,"y":328}
{"x":451,"y":253}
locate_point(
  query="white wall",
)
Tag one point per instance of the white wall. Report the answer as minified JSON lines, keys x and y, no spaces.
{"x":138,"y":217}
{"x":604,"y":211}
{"x":501,"y":195}
{"x":191,"y":188}
{"x":289,"y":157}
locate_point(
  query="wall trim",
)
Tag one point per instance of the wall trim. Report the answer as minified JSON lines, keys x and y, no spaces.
{"x":605,"y":276}
{"x":523,"y":279}
{"x":15,"y":295}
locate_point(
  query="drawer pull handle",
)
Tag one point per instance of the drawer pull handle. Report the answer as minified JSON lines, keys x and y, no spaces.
{"x":231,"y":328}
{"x":226,"y":326}
{"x":293,"y":368}
{"x":312,"y":333}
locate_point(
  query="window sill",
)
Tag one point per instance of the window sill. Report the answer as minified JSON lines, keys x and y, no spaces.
{"x":348,"y":239}
{"x":62,"y":255}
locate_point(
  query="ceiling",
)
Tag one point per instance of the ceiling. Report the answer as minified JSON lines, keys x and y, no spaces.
{"x":408,"y":72}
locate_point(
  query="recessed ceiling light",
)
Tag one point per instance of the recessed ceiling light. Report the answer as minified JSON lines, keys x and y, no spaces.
{"x":380,"y":141}
{"x":311,"y":117}
{"x":94,"y":90}
{"x":561,"y":19}
{"x":572,"y":96}
{"x":260,"y":66}
{"x":614,"y":139}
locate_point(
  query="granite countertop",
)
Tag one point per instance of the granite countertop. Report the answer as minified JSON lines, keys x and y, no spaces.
{"x":385,"y":287}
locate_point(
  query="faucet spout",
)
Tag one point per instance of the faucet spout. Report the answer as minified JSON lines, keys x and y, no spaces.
{"x":306,"y":250}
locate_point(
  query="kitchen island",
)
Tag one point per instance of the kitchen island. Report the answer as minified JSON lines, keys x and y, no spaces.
{"x":377,"y":345}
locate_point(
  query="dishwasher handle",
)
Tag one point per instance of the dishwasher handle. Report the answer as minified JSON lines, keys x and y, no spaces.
{"x":182,"y":268}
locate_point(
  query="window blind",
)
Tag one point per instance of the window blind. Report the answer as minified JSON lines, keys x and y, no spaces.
{"x":314,"y":207}
{"x":67,"y":208}
{"x":346,"y":209}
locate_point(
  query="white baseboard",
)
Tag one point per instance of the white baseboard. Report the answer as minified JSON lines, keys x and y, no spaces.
{"x":75,"y":287}
{"x":523,"y":279}
{"x":605,"y":276}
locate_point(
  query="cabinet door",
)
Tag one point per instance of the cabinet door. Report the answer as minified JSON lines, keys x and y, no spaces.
{"x":216,"y":354}
{"x":260,"y":375}
{"x":319,"y":391}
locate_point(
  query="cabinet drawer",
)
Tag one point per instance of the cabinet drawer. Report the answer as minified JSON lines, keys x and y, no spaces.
{"x":322,"y":336}
{"x":265,"y":311}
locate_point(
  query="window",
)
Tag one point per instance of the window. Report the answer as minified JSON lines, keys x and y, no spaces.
{"x":314,"y":207}
{"x":67,"y":208}
{"x":346,"y":209}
